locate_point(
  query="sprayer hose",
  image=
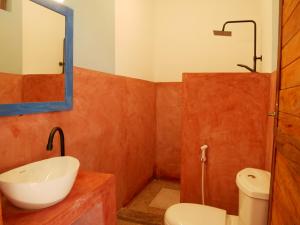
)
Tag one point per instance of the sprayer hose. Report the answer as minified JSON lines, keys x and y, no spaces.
{"x":202,"y":182}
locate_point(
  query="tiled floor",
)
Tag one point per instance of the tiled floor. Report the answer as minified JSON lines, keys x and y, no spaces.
{"x":138,"y":211}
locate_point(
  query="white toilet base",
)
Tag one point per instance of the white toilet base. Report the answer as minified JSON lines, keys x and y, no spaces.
{"x":232,"y":220}
{"x":196,"y":214}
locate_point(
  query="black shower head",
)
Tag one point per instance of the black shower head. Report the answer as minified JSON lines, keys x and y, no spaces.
{"x":228,"y":33}
{"x":222,"y":33}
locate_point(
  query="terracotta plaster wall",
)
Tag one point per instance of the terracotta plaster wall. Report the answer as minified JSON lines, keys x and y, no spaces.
{"x":168,"y":129}
{"x":228,"y":112}
{"x":43,"y":88}
{"x":31,"y":88}
{"x":10,"y":88}
{"x":111,"y":128}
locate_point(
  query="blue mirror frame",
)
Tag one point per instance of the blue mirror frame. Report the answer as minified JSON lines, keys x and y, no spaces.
{"x":39,"y":107}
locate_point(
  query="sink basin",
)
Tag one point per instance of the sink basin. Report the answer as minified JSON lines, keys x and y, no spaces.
{"x":40,"y":184}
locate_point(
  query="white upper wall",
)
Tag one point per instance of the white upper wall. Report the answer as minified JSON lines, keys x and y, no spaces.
{"x":275,"y":33}
{"x":184,"y":40}
{"x":270,"y":19}
{"x":33,"y":39}
{"x":158,"y":40}
{"x":11,"y":38}
{"x":43,"y":39}
{"x":94,"y":38}
{"x":134,"y":38}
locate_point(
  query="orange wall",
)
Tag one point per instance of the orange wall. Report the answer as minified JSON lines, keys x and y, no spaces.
{"x":132,"y":128}
{"x":31,"y":88}
{"x":228,"y":112}
{"x":43,"y":88}
{"x":110,"y":129}
{"x":168,"y":129}
{"x":10,"y":88}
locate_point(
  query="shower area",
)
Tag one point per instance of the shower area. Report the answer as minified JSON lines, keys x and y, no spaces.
{"x":215,"y":77}
{"x":229,"y":113}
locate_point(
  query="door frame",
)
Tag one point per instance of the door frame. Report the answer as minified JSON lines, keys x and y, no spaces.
{"x":277,"y":102}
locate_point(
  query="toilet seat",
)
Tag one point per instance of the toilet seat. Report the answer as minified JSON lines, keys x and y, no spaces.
{"x":194,"y":214}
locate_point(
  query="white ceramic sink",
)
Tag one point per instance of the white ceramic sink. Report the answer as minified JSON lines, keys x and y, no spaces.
{"x":40,"y":184}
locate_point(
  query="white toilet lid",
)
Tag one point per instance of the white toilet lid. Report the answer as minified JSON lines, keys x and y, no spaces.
{"x":194,"y":214}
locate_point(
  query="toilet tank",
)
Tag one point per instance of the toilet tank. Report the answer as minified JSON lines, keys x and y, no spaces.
{"x":254,"y":189}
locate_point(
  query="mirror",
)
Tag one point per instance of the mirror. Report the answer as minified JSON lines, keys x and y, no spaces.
{"x":35,"y":57}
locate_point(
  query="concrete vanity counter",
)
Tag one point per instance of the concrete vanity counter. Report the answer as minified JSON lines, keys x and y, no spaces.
{"x":92,"y":201}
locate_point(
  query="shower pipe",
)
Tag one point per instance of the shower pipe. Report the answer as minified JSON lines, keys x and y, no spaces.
{"x":228,"y":33}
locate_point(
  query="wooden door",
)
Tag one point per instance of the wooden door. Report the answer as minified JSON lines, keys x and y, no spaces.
{"x":285,"y":200}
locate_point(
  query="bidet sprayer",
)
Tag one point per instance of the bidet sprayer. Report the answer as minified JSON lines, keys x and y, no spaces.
{"x":203,"y":153}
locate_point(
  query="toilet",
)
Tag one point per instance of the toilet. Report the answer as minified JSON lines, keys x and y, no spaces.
{"x":253,"y":184}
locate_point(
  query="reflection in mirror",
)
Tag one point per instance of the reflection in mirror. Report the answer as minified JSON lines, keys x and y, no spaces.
{"x":2,"y":4}
{"x":31,"y":53}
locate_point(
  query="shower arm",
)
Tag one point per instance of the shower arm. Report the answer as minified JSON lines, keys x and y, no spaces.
{"x":255,"y":58}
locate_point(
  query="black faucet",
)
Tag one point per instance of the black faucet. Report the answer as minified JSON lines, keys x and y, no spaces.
{"x":62,"y":140}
